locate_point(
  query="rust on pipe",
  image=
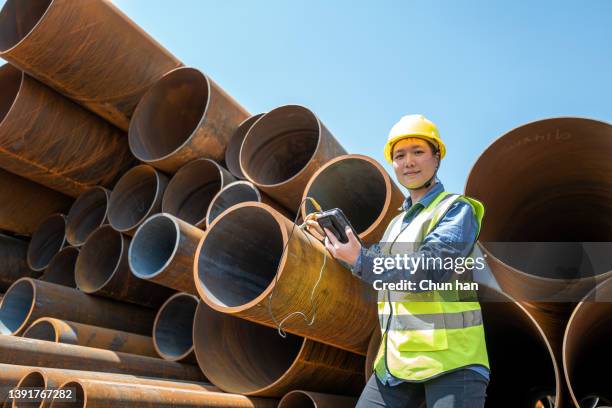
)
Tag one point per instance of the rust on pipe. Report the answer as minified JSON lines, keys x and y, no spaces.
{"x":192,"y":188}
{"x":102,"y":269}
{"x":19,"y":350}
{"x":283,"y":149}
{"x":87,"y":50}
{"x":309,"y":399}
{"x":232,"y":152}
{"x":236,"y":193}
{"x":373,"y":347}
{"x":48,"y":239}
{"x":370,"y":204}
{"x":185,"y":115}
{"x":586,"y":346}
{"x":173,"y":328}
{"x":88,"y":212}
{"x":29,"y":299}
{"x":48,"y":139}
{"x":26,"y":204}
{"x":10,"y":376}
{"x":67,"y":332}
{"x":61,"y":268}
{"x":13,"y":254}
{"x":163,"y":251}
{"x":236,"y":272}
{"x":265,"y":364}
{"x":136,"y":196}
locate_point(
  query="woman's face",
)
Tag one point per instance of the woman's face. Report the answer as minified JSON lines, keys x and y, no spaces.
{"x":414,"y":162}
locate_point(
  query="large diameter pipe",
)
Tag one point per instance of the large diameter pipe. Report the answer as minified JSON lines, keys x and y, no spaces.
{"x":283,"y":149}
{"x":48,"y":139}
{"x":192,"y":189}
{"x":370,"y":204}
{"x":239,"y":272}
{"x":373,"y":348}
{"x":266,"y":364}
{"x":136,"y":196}
{"x":13,"y":253}
{"x":163,"y":251}
{"x":87,"y":50}
{"x":19,"y":350}
{"x":26,"y":204}
{"x":67,"y":332}
{"x":232,"y":152}
{"x":29,"y":299}
{"x":173,"y":328}
{"x":62,"y":267}
{"x":88,"y":212}
{"x":309,"y":399}
{"x":185,"y":115}
{"x":10,"y":376}
{"x":48,"y":239}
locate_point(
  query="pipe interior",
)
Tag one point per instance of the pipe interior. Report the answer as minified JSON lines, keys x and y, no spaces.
{"x":234,"y":194}
{"x":10,"y":82}
{"x":42,"y":330}
{"x":86,"y":214}
{"x":78,"y":394}
{"x":62,"y":267}
{"x":31,"y":380}
{"x":153,"y":246}
{"x":15,"y":306}
{"x":168,"y":114}
{"x":98,"y":259}
{"x":173,"y":333}
{"x":280,"y":145}
{"x":297,"y":400}
{"x":361,"y":202}
{"x":258,"y":356}
{"x":132,"y":198}
{"x":240,"y":256}
{"x":232,"y":151}
{"x":46,"y":241}
{"x":17,"y":19}
{"x":191,"y":190}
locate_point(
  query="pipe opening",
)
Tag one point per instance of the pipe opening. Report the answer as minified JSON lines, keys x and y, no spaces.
{"x":61,"y":269}
{"x":18,"y":18}
{"x":46,"y":241}
{"x":153,"y":246}
{"x":16,"y":306}
{"x":235,"y":193}
{"x":260,"y":356}
{"x":99,"y":259}
{"x":232,"y":151}
{"x":240,"y":256}
{"x":173,"y":332}
{"x":86,"y":214}
{"x":168,"y":114}
{"x":41,"y":330}
{"x":297,"y":399}
{"x":78,"y":394}
{"x":10,"y":82}
{"x":133,"y":197}
{"x":33,"y":379}
{"x":280,"y":145}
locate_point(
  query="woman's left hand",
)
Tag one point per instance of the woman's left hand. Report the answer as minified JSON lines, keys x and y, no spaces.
{"x":348,"y":252}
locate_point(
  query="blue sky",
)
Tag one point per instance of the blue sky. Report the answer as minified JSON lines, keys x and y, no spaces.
{"x":476,"y":68}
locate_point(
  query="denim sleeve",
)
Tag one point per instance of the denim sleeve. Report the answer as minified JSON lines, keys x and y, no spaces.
{"x":453,"y":237}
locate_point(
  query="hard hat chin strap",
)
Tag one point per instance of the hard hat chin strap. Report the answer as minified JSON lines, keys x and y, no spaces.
{"x":428,"y":182}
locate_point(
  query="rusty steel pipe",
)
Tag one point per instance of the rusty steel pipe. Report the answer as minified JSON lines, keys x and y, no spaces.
{"x":102,"y":269}
{"x":136,"y":196}
{"x":62,"y":267}
{"x":10,"y":376}
{"x":67,"y":332}
{"x":19,"y":350}
{"x":373,"y":347}
{"x":26,"y":204}
{"x":232,"y":152}
{"x":185,"y":115}
{"x":192,"y":189}
{"x":88,"y":212}
{"x":236,"y":193}
{"x":236,"y":271}
{"x":173,"y":328}
{"x":29,"y":299}
{"x":309,"y":399}
{"x":265,"y":364}
{"x":87,"y":50}
{"x":163,"y":251}
{"x":370,"y":204}
{"x":48,"y":139}
{"x":13,"y":254}
{"x":48,"y":239}
{"x":92,"y":394}
{"x":283,"y":149}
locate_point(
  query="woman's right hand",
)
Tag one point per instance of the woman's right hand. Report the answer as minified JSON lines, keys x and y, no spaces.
{"x":313,"y":227}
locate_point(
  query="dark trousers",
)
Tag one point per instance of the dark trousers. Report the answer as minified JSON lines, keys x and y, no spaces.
{"x":458,"y":389}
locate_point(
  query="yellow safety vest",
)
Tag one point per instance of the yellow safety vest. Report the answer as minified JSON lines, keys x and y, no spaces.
{"x":424,"y":339}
